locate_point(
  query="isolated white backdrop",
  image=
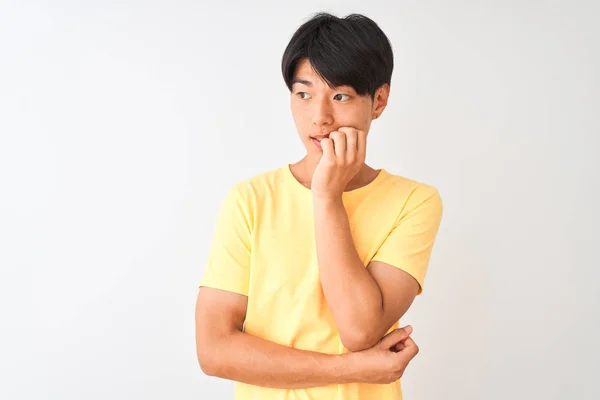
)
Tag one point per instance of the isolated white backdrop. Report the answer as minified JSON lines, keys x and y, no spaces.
{"x":124,"y":123}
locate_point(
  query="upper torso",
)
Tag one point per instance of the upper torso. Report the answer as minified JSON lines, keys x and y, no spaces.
{"x":286,"y":304}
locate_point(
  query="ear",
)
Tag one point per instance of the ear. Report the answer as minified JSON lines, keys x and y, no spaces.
{"x":380,"y":100}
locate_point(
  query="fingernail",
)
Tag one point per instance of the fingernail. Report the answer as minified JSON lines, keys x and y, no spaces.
{"x":408,"y":328}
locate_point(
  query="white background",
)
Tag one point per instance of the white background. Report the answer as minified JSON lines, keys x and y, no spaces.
{"x":124,"y":123}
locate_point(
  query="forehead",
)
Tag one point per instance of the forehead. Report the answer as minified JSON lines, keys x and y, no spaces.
{"x":305,"y":73}
{"x":304,"y":68}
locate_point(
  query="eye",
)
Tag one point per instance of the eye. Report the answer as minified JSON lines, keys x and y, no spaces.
{"x":303,"y":95}
{"x":337,"y":97}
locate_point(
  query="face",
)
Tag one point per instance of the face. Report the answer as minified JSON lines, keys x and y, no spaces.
{"x":318,"y":109}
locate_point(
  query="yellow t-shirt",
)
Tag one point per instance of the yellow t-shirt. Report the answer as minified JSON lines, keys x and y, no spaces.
{"x":264,"y":247}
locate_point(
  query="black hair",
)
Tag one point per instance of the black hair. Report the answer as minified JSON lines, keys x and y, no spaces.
{"x":351,"y":51}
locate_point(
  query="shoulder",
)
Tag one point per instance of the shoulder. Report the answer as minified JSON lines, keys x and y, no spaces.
{"x":259,"y":183}
{"x":251,"y":190}
{"x":411,"y":193}
{"x":409,"y":188}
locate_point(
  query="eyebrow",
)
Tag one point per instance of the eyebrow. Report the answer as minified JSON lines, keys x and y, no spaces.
{"x":302,"y":81}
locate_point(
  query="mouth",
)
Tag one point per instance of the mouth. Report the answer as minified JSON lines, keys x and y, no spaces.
{"x":317,"y":140}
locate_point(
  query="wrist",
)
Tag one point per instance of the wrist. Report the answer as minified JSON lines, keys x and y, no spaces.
{"x":352,"y":372}
{"x":327,"y":200}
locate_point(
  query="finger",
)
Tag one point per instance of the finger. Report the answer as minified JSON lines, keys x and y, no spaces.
{"x":339,"y":144}
{"x":362,"y":145}
{"x":410,"y":350}
{"x":328,"y":151}
{"x":398,"y":347}
{"x":394,"y":337}
{"x":351,"y":139}
{"x":351,"y":146}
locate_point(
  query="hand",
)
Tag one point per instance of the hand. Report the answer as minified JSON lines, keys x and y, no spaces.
{"x":344,"y":153}
{"x":386,"y":361}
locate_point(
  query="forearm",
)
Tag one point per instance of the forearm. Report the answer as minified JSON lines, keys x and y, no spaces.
{"x":245,"y":358}
{"x":351,"y":292}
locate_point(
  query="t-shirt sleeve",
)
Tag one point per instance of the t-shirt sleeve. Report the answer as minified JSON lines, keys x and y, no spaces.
{"x":228,"y":265}
{"x":409,"y":244}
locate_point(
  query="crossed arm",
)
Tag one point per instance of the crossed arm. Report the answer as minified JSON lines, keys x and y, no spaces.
{"x":362,"y":310}
{"x":225,"y":351}
{"x":365,"y":302}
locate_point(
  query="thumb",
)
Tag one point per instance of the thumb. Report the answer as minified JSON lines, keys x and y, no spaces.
{"x":397,"y":335}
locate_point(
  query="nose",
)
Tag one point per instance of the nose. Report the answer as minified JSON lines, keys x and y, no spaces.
{"x":322,"y":115}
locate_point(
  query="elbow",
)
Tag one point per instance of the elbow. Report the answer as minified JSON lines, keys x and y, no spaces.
{"x":208,"y":360}
{"x":207,"y":363}
{"x":357,"y":340}
{"x":214,"y":357}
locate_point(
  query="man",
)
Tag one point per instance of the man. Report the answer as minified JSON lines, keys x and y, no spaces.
{"x":313,"y":264}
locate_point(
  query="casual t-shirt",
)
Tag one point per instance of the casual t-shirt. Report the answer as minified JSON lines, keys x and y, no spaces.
{"x":264,"y":247}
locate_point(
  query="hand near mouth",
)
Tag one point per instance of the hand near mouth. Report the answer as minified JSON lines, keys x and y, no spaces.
{"x":344,"y":153}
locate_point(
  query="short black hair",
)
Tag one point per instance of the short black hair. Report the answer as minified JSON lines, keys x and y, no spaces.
{"x":351,"y":51}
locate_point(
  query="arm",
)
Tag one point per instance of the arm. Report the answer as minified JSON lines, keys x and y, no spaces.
{"x":223,"y":350}
{"x":365,"y":302}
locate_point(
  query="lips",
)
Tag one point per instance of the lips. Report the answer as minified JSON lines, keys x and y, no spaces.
{"x":320,"y":137}
{"x":316,"y":142}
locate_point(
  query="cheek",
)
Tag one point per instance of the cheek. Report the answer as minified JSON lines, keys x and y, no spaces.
{"x":301,"y":122}
{"x":298,"y":113}
{"x":358,"y":119}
